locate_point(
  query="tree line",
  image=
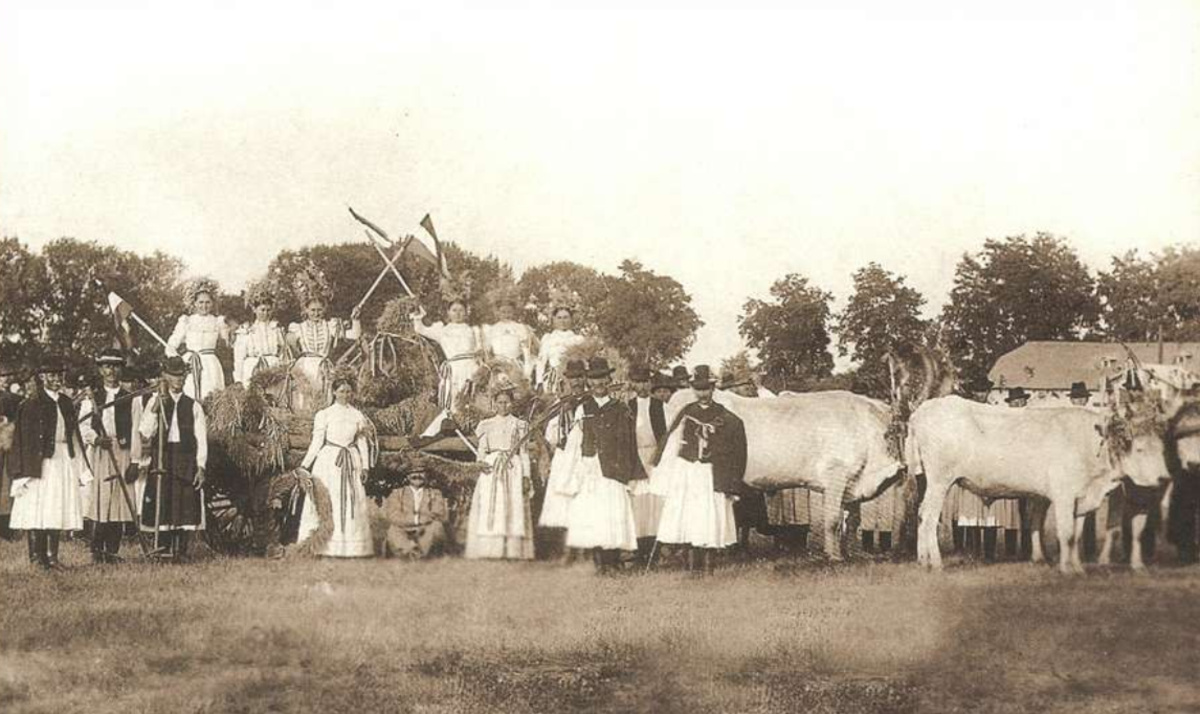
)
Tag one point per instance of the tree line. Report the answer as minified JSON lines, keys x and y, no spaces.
{"x":1012,"y":290}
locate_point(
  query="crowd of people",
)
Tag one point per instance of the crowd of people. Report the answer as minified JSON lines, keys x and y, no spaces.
{"x":623,"y":480}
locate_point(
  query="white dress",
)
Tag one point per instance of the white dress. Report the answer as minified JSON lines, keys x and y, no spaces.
{"x":256,"y":346}
{"x":693,"y":512}
{"x":552,"y":354}
{"x":647,"y":505}
{"x":512,"y":341}
{"x":53,"y":502}
{"x":556,"y":504}
{"x":103,"y":501}
{"x":462,"y":345}
{"x":338,"y":457}
{"x":600,"y":514}
{"x":200,"y":333}
{"x":317,"y":339}
{"x":499,"y":524}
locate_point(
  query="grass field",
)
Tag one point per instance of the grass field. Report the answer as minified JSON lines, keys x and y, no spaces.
{"x":455,"y":636}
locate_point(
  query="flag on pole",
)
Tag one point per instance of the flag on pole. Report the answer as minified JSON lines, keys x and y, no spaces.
{"x":121,"y":311}
{"x":427,"y":224}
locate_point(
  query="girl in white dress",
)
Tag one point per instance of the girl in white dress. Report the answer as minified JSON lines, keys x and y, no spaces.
{"x":554,"y":349}
{"x":462,"y":345}
{"x":260,"y":344}
{"x":200,"y":331}
{"x":500,"y":524}
{"x":314,"y":341}
{"x":508,"y":339}
{"x":339,"y":456}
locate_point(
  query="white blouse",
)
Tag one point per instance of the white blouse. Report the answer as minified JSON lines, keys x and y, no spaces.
{"x":318,"y":337}
{"x":456,"y":339}
{"x":198,"y":332}
{"x":339,"y":425}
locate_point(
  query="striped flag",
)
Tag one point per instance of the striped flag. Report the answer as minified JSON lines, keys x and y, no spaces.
{"x":121,"y":311}
{"x":427,"y":224}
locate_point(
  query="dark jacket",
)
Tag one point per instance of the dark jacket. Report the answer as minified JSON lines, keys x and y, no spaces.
{"x":36,"y":426}
{"x":658,"y":417}
{"x":608,"y":433}
{"x":724,"y":447}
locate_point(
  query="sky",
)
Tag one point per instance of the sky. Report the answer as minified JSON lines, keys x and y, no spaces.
{"x":724,"y":144}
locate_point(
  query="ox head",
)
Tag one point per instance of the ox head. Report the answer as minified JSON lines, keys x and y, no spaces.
{"x":1135,"y":432}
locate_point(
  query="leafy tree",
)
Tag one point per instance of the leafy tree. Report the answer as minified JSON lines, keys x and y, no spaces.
{"x":790,"y":333}
{"x":739,"y":363}
{"x":1132,"y":298}
{"x":1015,"y":290}
{"x":647,"y":318}
{"x":20,"y":318}
{"x":588,"y":283}
{"x":882,"y":313}
{"x":1179,"y":292}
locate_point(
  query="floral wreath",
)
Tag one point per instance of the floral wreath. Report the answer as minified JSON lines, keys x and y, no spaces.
{"x":260,"y":291}
{"x":200,"y":286}
{"x":456,"y":289}
{"x":310,"y":284}
{"x":505,"y":294}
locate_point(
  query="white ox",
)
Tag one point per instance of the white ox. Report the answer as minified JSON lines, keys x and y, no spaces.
{"x":1060,"y":454}
{"x":831,"y":442}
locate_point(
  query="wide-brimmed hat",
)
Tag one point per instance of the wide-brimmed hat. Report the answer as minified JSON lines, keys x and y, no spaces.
{"x":639,"y":374}
{"x":702,"y":377}
{"x":598,"y":368}
{"x":111,"y":356}
{"x":575,"y":368}
{"x":1016,"y":394}
{"x":980,"y":384}
{"x":680,"y":374}
{"x":733,"y":380}
{"x":1079,"y":390}
{"x":175,"y":366}
{"x":661,"y":381}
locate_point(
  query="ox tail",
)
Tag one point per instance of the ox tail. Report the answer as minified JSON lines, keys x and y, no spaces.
{"x":912,"y":455}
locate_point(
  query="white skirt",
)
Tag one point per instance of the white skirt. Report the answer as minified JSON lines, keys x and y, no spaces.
{"x":351,"y":536}
{"x":52,"y":502}
{"x":212,"y":376}
{"x":601,"y":515}
{"x":556,"y":505}
{"x":693,"y":512}
{"x":498,"y":525}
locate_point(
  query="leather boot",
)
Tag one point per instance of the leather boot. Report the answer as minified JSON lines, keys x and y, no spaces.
{"x":34,"y":551}
{"x":112,"y":544}
{"x":52,"y":550}
{"x":709,"y":555}
{"x":98,"y":542}
{"x":599,"y":561}
{"x":691,"y":559}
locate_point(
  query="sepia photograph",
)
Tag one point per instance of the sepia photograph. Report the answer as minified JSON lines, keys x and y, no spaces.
{"x":667,"y":357}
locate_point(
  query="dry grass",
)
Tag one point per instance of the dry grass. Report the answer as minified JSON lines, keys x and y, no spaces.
{"x":457,"y":636}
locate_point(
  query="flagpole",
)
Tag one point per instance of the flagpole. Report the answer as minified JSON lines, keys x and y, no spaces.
{"x":148,"y":328}
{"x":382,"y":273}
{"x":389,"y":265}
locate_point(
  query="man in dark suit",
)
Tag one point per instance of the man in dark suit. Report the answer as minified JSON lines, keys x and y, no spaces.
{"x":416,"y":516}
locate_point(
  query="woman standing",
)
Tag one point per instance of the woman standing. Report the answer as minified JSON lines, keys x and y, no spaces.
{"x":314,"y":340}
{"x":339,"y":456}
{"x":554,"y":348}
{"x":508,"y":339}
{"x":462,"y":345}
{"x":260,"y":344}
{"x":200,"y":330}
{"x":500,"y":523}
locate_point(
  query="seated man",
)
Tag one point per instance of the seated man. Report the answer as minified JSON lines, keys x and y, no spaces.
{"x":416,"y":516}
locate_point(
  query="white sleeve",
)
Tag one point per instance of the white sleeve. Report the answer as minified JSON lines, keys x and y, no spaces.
{"x":240,"y":341}
{"x":433,"y":331}
{"x":201,"y":427}
{"x":148,"y":426}
{"x":86,"y":432}
{"x":176,"y":338}
{"x":318,"y":440}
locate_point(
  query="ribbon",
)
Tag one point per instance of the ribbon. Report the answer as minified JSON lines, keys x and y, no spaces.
{"x":345,"y":464}
{"x":197,"y":370}
{"x":704,"y":432}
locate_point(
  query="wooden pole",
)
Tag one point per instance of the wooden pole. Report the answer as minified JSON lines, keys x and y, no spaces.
{"x":390,"y":266}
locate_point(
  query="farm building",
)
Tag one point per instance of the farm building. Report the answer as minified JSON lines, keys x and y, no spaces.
{"x":1047,"y":369}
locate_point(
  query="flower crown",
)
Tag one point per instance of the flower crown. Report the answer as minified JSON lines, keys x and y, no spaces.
{"x":456,"y":289}
{"x":200,"y":286}
{"x":505,"y":294}
{"x":561,"y":297}
{"x":260,"y":291}
{"x":310,"y":284}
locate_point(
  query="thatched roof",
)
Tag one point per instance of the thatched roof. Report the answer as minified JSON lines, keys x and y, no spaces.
{"x":1056,"y":365}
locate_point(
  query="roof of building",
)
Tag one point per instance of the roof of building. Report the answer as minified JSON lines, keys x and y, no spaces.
{"x":1056,"y":365}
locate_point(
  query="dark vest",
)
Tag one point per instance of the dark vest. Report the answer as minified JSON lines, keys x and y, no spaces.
{"x":608,"y":434}
{"x":187,"y":421}
{"x":724,"y":444}
{"x":37,"y":424}
{"x":124,"y":416}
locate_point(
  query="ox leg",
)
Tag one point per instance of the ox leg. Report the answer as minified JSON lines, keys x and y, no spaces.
{"x":1077,"y":545}
{"x":928,"y":551}
{"x":1064,"y":514}
{"x":1137,"y":527}
{"x":1038,"y":509}
{"x":831,"y":520}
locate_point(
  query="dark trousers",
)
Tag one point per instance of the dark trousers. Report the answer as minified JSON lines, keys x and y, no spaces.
{"x":106,"y":539}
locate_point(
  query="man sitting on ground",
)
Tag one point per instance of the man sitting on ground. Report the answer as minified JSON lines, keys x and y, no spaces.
{"x":416,"y":516}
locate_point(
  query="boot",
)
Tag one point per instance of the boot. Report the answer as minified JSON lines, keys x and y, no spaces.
{"x":112,"y":545}
{"x":691,"y":559}
{"x":958,"y":535}
{"x":99,"y":538}
{"x":599,"y":561}
{"x":35,"y":551}
{"x":52,"y":550}
{"x":989,"y":543}
{"x":885,"y":541}
{"x":182,"y":540}
{"x":1010,"y":542}
{"x":709,"y":556}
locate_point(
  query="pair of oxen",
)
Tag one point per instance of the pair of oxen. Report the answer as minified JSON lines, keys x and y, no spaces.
{"x":1066,"y":459}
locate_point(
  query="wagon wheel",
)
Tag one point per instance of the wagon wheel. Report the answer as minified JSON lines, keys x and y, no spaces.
{"x":230,"y":527}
